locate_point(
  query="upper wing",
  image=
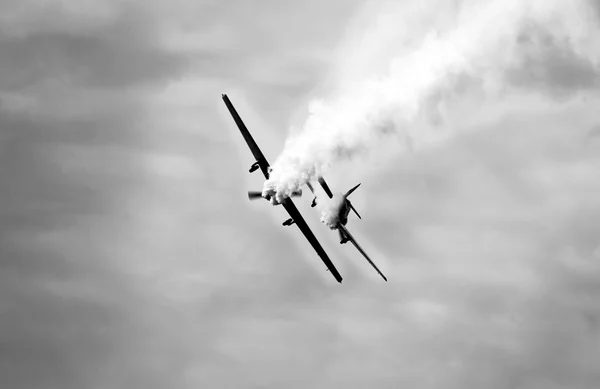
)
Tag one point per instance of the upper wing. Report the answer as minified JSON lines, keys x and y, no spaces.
{"x":287,"y":202}
{"x":355,"y":243}
{"x":289,"y":206}
{"x":325,"y":187}
{"x":258,"y":155}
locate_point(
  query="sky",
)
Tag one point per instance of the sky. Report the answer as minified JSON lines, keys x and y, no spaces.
{"x":130,"y":256}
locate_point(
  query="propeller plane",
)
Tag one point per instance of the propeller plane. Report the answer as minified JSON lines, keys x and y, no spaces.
{"x":343,"y":213}
{"x":287,"y":203}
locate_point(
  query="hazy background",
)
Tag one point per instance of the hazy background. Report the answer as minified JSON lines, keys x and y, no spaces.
{"x":130,"y":256}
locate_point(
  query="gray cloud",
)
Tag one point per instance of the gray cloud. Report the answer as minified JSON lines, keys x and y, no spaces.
{"x":130,"y":257}
{"x":596,"y":6}
{"x":120,"y":54}
{"x":593,"y":133}
{"x":551,"y":63}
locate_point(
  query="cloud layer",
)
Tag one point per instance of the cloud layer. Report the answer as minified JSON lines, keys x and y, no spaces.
{"x":130,"y":257}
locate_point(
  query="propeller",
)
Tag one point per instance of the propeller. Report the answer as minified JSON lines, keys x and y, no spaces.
{"x":253,"y":195}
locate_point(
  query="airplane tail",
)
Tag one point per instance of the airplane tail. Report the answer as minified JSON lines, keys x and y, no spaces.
{"x":348,"y":201}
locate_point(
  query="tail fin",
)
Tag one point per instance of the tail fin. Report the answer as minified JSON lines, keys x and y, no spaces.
{"x":348,"y":201}
{"x":351,"y":190}
{"x":352,"y":208}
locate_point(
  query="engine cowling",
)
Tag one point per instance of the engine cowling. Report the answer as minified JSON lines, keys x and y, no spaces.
{"x":288,"y":222}
{"x":254,"y":167}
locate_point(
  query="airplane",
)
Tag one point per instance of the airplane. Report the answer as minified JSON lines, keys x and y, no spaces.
{"x":345,"y":207}
{"x":287,"y":203}
{"x":343,"y":213}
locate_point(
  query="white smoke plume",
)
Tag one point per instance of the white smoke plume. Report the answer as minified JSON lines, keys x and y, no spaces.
{"x":330,"y":209}
{"x":484,"y":43}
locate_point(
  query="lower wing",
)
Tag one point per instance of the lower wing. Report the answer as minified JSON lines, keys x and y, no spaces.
{"x":355,"y":243}
{"x":301,"y":223}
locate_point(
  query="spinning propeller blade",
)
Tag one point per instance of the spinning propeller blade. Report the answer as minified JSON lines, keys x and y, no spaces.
{"x":253,"y":195}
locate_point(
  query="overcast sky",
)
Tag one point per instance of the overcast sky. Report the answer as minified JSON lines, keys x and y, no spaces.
{"x":130,"y":256}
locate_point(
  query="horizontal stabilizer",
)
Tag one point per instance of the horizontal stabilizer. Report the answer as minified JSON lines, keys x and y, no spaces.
{"x":351,"y":190}
{"x":352,"y":207}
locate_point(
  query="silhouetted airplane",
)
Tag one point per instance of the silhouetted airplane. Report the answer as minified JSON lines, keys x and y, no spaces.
{"x":296,"y":217}
{"x":343,"y":213}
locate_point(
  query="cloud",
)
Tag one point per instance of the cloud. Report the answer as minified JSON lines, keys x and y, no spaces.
{"x":104,"y":60}
{"x":112,"y":216}
{"x":21,"y":18}
{"x":486,"y":246}
{"x":131,"y":257}
{"x":547,"y":63}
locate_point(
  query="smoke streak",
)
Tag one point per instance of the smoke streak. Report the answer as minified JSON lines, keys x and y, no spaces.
{"x":485,"y":44}
{"x":330,"y":209}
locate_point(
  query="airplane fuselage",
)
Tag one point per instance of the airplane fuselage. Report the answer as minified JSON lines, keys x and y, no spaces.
{"x":343,"y":213}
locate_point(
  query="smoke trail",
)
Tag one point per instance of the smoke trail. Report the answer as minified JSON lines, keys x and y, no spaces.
{"x":330,"y":209}
{"x":484,"y":46}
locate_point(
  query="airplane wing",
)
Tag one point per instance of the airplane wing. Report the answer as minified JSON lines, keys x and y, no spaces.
{"x":325,"y":187}
{"x":261,"y":161}
{"x":289,"y":206}
{"x":355,"y":243}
